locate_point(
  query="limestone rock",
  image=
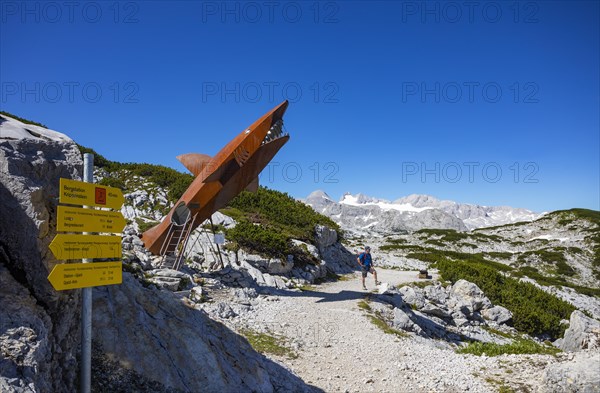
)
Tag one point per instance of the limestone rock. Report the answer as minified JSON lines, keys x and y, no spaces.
{"x":194,"y":352}
{"x":498,"y":314}
{"x":583,"y":333}
{"x":431,"y":309}
{"x":402,"y":321}
{"x":582,"y":374}
{"x":32,"y":159}
{"x":413,"y":296}
{"x":436,"y":293}
{"x":197,"y":294}
{"x":324,"y":237}
{"x":278,"y":266}
{"x":470,"y":294}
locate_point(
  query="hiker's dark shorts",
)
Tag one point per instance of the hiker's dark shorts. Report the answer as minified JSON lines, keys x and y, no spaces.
{"x":365,"y":271}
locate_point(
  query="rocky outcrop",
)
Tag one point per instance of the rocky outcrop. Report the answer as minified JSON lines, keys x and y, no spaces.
{"x":324,"y":237}
{"x":580,"y":374}
{"x":583,"y":333}
{"x":450,"y":313}
{"x":192,"y":352}
{"x":39,"y":327}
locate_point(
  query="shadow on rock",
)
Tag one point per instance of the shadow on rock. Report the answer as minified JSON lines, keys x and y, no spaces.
{"x":156,"y":335}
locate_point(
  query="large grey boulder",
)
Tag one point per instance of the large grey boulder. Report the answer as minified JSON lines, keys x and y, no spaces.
{"x":324,"y":237}
{"x":583,"y":333}
{"x":279,"y":266}
{"x":402,"y":321}
{"x":434,"y":310}
{"x":581,"y":374}
{"x":413,"y":296}
{"x":436,"y":293}
{"x":498,"y":314}
{"x":468,"y":293}
{"x":39,"y":327}
{"x":148,"y":330}
{"x":338,"y":259}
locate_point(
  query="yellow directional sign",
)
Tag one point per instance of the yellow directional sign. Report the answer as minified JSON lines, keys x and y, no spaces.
{"x":83,"y":275}
{"x":85,"y":246}
{"x":77,"y":219}
{"x":79,"y":193}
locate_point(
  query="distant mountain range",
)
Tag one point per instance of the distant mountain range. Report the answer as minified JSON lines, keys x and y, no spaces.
{"x":361,"y":213}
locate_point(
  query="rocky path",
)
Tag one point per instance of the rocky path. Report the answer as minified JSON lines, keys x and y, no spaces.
{"x":339,"y":349}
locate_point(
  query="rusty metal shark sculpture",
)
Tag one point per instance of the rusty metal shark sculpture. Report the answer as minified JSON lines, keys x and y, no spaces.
{"x":218,"y":180}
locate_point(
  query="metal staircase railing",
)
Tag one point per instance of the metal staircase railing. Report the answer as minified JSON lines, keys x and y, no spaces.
{"x":180,"y":253}
{"x":172,"y":247}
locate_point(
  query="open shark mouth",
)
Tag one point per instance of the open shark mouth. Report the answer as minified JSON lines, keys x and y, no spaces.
{"x":275,"y":132}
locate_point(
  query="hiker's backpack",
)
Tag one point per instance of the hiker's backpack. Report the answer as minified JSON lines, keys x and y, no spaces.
{"x":363,"y":259}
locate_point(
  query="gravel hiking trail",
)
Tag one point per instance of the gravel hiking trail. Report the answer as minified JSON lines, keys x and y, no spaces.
{"x":340,"y":350}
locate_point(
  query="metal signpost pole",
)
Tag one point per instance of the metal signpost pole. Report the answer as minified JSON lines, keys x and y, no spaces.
{"x":86,"y":302}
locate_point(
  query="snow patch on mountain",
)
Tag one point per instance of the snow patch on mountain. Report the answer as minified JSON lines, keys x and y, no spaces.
{"x":361,"y":200}
{"x":360,"y":212}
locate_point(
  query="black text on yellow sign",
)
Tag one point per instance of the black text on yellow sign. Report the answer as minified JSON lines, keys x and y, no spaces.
{"x":84,"y":275}
{"x":77,"y":219}
{"x":85,"y":246}
{"x":76,"y":192}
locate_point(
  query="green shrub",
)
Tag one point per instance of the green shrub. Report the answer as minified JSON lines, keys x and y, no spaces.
{"x":435,"y":242}
{"x":113,"y":182}
{"x":549,"y":256}
{"x":145,"y":225}
{"x":541,"y":279}
{"x":432,"y":256}
{"x":448,"y":235}
{"x":394,"y":247}
{"x":280,"y":210}
{"x":498,"y":255}
{"x":259,"y":238}
{"x":265,"y":343}
{"x":518,"y":347}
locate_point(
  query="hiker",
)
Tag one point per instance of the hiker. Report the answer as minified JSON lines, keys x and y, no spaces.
{"x":366,"y":263}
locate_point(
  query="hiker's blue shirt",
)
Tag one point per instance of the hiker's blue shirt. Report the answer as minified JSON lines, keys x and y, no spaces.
{"x":365,"y":259}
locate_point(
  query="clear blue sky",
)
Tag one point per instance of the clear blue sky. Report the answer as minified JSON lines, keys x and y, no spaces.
{"x":387,"y":98}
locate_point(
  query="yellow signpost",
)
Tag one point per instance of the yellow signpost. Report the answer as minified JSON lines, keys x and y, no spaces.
{"x":85,"y":246}
{"x":76,"y":192}
{"x":77,"y":219}
{"x":82,"y":275}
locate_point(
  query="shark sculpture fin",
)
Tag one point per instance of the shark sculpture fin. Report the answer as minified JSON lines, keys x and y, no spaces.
{"x":195,"y":162}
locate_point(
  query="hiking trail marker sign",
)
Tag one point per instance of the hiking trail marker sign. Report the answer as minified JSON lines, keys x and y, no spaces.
{"x":77,"y":219}
{"x":86,"y":246}
{"x":67,"y":246}
{"x":83,"y":275}
{"x":76,"y":192}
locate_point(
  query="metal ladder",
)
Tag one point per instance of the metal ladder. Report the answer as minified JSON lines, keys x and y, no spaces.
{"x":173,"y":248}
